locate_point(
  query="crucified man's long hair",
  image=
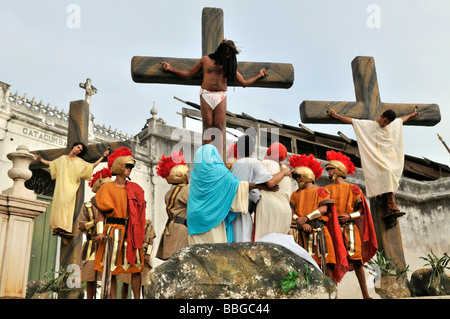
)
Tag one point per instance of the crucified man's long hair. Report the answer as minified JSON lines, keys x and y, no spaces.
{"x":225,"y":57}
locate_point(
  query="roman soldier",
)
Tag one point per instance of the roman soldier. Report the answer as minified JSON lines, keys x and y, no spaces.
{"x":353,"y":214}
{"x":121,"y":225}
{"x":315,"y":222}
{"x":175,"y":235}
{"x":87,"y":224}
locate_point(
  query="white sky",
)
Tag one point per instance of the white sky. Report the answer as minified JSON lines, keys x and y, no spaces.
{"x":43,"y":56}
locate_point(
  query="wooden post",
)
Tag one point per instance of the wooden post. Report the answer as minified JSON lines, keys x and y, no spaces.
{"x":389,"y":236}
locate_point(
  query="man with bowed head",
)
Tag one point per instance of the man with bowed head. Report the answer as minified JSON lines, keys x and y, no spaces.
{"x":273,"y":212}
{"x":249,"y":168}
{"x":219,"y":69}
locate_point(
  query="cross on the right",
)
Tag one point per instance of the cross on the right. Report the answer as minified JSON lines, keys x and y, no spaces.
{"x":368,"y":105}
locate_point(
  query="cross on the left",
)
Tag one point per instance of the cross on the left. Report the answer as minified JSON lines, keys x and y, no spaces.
{"x":78,"y":129}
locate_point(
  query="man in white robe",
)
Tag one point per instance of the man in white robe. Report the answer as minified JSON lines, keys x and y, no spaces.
{"x":273,"y":213}
{"x":380,"y":145}
{"x":250,"y":169}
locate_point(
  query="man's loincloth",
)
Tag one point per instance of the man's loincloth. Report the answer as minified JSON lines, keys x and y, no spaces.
{"x":213,"y":98}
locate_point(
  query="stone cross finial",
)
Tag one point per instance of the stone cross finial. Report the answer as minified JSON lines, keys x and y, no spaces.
{"x":90,"y":90}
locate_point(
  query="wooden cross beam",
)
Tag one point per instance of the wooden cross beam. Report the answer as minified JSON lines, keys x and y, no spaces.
{"x":78,"y":129}
{"x":148,"y":69}
{"x":368,"y":104}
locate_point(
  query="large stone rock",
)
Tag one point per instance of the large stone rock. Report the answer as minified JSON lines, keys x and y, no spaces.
{"x":235,"y":271}
{"x":391,"y":287}
{"x":32,"y":287}
{"x":420,"y":283}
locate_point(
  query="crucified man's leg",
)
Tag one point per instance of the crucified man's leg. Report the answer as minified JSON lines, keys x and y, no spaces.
{"x":392,"y":208}
{"x":391,"y":201}
{"x":219,"y":118}
{"x":213,"y":123}
{"x":207,"y":119}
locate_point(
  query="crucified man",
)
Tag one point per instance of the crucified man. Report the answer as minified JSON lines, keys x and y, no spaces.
{"x":218,"y":68}
{"x":380,"y":143}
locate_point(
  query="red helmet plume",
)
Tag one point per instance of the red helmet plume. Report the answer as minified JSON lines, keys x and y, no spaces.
{"x":344,"y":159}
{"x":104,"y":173}
{"x":308,"y":161}
{"x":165,"y":164}
{"x":121,"y":151}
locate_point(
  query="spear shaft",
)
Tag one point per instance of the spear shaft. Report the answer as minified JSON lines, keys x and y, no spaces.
{"x":448,"y":149}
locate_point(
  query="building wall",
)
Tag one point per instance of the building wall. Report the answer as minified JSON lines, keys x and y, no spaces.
{"x":426,"y":225}
{"x":24,"y":121}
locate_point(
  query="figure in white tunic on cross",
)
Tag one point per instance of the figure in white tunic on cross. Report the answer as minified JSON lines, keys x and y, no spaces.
{"x":380,"y":144}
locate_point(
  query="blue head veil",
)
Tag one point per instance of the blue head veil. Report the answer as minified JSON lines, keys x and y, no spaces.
{"x":211,"y":192}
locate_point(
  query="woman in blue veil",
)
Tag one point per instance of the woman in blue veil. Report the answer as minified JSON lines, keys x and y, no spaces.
{"x":212,"y":191}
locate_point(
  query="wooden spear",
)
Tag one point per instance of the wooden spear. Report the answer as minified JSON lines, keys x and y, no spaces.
{"x":444,"y":143}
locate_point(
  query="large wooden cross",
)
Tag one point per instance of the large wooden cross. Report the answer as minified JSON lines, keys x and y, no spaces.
{"x":148,"y":69}
{"x":78,"y":129}
{"x":368,"y":105}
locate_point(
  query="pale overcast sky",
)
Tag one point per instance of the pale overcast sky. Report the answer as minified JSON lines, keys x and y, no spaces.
{"x":50,"y":46}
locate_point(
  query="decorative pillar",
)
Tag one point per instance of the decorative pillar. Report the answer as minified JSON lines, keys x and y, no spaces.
{"x":18,"y":209}
{"x":4,"y":95}
{"x":5,"y":109}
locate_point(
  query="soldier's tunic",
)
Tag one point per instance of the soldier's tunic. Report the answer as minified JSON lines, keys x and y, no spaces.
{"x":325,"y":240}
{"x":88,"y":213}
{"x":113,"y":201}
{"x":175,"y":233}
{"x":359,"y":234}
{"x":149,"y":235}
{"x":305,"y":201}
